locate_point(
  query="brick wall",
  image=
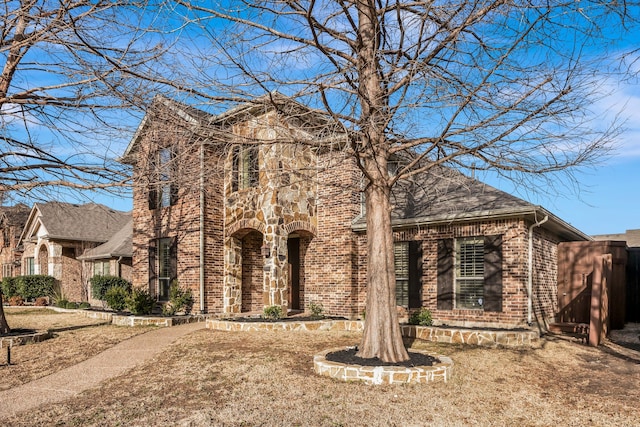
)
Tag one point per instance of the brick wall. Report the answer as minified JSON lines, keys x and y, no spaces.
{"x":180,"y":221}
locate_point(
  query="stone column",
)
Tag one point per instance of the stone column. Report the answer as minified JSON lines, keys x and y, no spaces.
{"x":276,"y":271}
{"x":232,"y":286}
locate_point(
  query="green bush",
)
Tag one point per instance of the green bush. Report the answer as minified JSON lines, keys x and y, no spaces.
{"x":84,"y":305}
{"x":116,"y":297}
{"x":72,"y":305}
{"x":34,"y":286}
{"x":179,"y":300}
{"x":273,"y":312}
{"x":421,"y":317}
{"x":101,"y":284}
{"x":140,"y":302}
{"x":317,"y":310}
{"x":61,"y":303}
{"x":9,"y":287}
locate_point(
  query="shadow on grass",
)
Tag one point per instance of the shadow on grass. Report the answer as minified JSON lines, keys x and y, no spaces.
{"x":75,"y":328}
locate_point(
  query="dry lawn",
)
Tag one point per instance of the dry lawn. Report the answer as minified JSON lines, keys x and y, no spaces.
{"x":214,"y":378}
{"x":75,"y":338}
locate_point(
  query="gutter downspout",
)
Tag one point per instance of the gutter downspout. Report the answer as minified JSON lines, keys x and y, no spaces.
{"x":202,"y":199}
{"x":530,"y":272}
{"x":118,"y":266}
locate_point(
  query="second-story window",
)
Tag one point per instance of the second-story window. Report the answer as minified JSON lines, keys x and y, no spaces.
{"x":164,"y":192}
{"x":245,"y":168}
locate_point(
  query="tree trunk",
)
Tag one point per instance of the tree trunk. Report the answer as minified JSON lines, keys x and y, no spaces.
{"x":4,"y":326}
{"x":382,"y":336}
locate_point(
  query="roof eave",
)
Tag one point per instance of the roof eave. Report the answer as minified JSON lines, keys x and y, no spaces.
{"x":534,"y":213}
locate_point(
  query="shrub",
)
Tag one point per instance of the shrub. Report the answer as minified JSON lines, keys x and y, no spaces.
{"x":140,"y":302}
{"x":421,"y":317}
{"x":42,"y":301}
{"x":61,"y":303}
{"x":16,"y":300}
{"x":179,"y":300}
{"x":273,"y":312}
{"x":34,"y":286}
{"x":84,"y":305}
{"x":101,"y":284}
{"x":72,"y":305}
{"x":9,"y":287}
{"x":317,"y":310}
{"x":116,"y":297}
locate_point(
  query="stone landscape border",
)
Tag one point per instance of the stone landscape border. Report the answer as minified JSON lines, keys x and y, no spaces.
{"x":376,"y":375}
{"x":22,"y":339}
{"x":449,"y":335}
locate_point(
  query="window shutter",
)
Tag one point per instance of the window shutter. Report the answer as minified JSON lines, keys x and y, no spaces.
{"x":173,"y":260}
{"x":493,"y":273}
{"x":235,"y":167}
{"x":153,"y":197}
{"x":415,"y":274}
{"x":445,"y":274}
{"x":153,"y":252}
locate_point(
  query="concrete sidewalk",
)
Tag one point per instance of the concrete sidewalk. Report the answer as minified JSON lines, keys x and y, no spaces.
{"x":90,"y":373}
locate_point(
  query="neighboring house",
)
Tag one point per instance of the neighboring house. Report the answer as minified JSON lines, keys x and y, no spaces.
{"x":56,"y":234}
{"x":112,"y":258}
{"x":275,"y":223}
{"x":12,"y":220}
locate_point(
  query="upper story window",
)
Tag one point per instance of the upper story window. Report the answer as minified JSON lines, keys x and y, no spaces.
{"x":245,"y":168}
{"x":164,"y":192}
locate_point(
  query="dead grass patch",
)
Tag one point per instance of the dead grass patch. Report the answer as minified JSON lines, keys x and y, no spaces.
{"x":75,"y":338}
{"x":215,"y":378}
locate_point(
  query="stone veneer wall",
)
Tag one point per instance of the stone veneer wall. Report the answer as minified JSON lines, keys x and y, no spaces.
{"x":283,"y":202}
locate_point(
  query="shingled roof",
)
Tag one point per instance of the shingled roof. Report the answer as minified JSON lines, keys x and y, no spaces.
{"x":443,"y":195}
{"x":119,"y":245}
{"x":89,"y":222}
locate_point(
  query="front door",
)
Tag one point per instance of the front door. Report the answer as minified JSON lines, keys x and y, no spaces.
{"x":294,"y":272}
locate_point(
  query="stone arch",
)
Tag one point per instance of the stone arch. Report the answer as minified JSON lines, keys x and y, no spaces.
{"x":245,"y":225}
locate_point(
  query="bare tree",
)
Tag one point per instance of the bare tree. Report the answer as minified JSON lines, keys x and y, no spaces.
{"x":72,"y":72}
{"x":503,"y":85}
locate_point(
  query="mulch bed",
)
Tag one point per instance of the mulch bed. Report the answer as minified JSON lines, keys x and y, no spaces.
{"x":348,"y":357}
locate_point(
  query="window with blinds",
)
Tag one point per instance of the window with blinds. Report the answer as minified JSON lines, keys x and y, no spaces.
{"x":164,"y":268}
{"x":469,"y":273}
{"x":401,"y":260}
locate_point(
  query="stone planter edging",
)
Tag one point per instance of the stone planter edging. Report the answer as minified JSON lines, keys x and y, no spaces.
{"x":376,"y":375}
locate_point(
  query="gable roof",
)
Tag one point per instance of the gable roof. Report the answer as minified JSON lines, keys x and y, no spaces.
{"x":443,"y":195}
{"x":90,"y":222}
{"x":207,"y":123}
{"x":119,"y":245}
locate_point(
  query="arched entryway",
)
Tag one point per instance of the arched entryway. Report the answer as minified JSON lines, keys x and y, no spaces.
{"x":43,"y":260}
{"x":252,"y":271}
{"x":297,"y":245}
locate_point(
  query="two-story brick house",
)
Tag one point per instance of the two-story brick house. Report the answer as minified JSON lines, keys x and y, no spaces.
{"x":250,"y":208}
